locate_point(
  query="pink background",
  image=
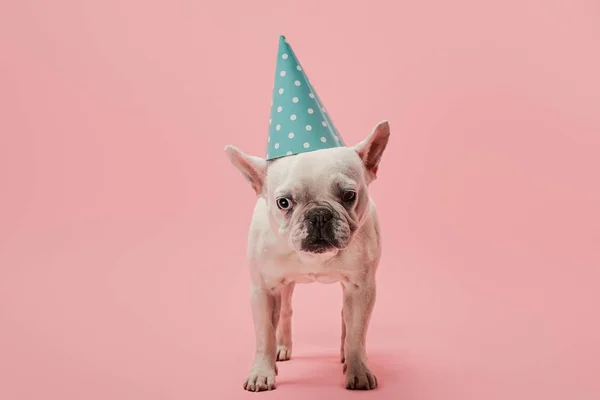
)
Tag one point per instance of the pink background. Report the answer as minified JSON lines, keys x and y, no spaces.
{"x":123,"y":226}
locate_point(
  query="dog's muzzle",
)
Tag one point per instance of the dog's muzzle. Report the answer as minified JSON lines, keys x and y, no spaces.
{"x":319,"y":223}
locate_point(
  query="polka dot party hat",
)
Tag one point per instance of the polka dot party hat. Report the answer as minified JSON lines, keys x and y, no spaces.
{"x":299,"y":122}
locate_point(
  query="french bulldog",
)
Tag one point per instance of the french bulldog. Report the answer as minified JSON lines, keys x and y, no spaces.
{"x":314,"y":221}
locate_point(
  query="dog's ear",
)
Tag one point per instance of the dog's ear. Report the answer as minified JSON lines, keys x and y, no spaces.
{"x":253,"y":168}
{"x":371,"y":149}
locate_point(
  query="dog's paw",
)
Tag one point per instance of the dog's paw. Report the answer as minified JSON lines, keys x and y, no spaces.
{"x":359,"y":378}
{"x":260,"y":381}
{"x":284,"y":353}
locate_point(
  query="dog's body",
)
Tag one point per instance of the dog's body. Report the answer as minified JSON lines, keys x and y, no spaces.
{"x":314,"y":222}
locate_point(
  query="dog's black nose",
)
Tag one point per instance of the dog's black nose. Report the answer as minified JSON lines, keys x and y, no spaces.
{"x":319,"y":216}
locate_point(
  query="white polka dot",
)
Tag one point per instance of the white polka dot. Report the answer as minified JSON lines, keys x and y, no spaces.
{"x":267,"y":155}
{"x":282,"y":73}
{"x":289,"y":153}
{"x":308,"y":128}
{"x":268,"y":139}
{"x":297,"y":83}
{"x":276,"y":146}
{"x":291,"y":135}
{"x":324,"y":123}
{"x":279,"y":109}
{"x":293,"y":117}
{"x":270,"y":120}
{"x":295,"y":99}
{"x":311,"y":95}
{"x":281,"y":91}
{"x":284,"y":56}
{"x":324,"y":110}
{"x":278,"y":127}
{"x":306,"y":145}
{"x":299,"y":68}
{"x":323,"y":139}
{"x":310,"y":111}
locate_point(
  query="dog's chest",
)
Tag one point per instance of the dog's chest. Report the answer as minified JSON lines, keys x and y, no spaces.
{"x":320,"y":277}
{"x":299,"y":272}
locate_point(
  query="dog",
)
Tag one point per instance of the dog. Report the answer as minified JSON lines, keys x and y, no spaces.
{"x":314,"y":221}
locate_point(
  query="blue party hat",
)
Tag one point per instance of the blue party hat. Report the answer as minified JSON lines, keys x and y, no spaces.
{"x":299,"y":122}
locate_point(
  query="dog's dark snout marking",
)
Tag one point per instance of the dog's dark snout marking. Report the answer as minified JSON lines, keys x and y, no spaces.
{"x":320,"y":236}
{"x":319,"y":216}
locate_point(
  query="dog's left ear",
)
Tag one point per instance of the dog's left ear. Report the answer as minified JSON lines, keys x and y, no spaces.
{"x":371,"y":149}
{"x":253,"y":168}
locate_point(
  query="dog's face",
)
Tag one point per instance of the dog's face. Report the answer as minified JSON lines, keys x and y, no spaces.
{"x":317,"y":200}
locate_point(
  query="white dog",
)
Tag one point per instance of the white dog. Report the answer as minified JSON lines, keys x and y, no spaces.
{"x":314,"y":221}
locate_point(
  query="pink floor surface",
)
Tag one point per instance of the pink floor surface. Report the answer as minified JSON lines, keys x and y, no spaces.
{"x":150,"y":320}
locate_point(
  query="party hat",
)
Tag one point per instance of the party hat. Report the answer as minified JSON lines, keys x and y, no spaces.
{"x":299,"y":122}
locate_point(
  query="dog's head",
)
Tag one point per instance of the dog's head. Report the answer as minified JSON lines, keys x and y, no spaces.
{"x":316,"y":200}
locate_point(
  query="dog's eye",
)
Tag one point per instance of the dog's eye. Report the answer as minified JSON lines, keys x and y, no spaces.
{"x":349,"y":196}
{"x":284,"y":204}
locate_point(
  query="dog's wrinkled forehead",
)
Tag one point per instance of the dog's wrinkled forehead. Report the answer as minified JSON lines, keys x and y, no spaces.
{"x":310,"y":175}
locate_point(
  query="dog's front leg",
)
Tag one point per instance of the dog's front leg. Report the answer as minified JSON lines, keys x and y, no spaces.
{"x":265,"y":311}
{"x":358,"y":306}
{"x":284,"y":327}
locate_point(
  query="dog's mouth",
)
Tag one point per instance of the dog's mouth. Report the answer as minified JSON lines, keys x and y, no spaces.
{"x":318,"y":246}
{"x":319,"y":243}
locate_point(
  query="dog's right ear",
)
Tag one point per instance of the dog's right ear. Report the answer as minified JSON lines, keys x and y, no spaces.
{"x":253,"y":168}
